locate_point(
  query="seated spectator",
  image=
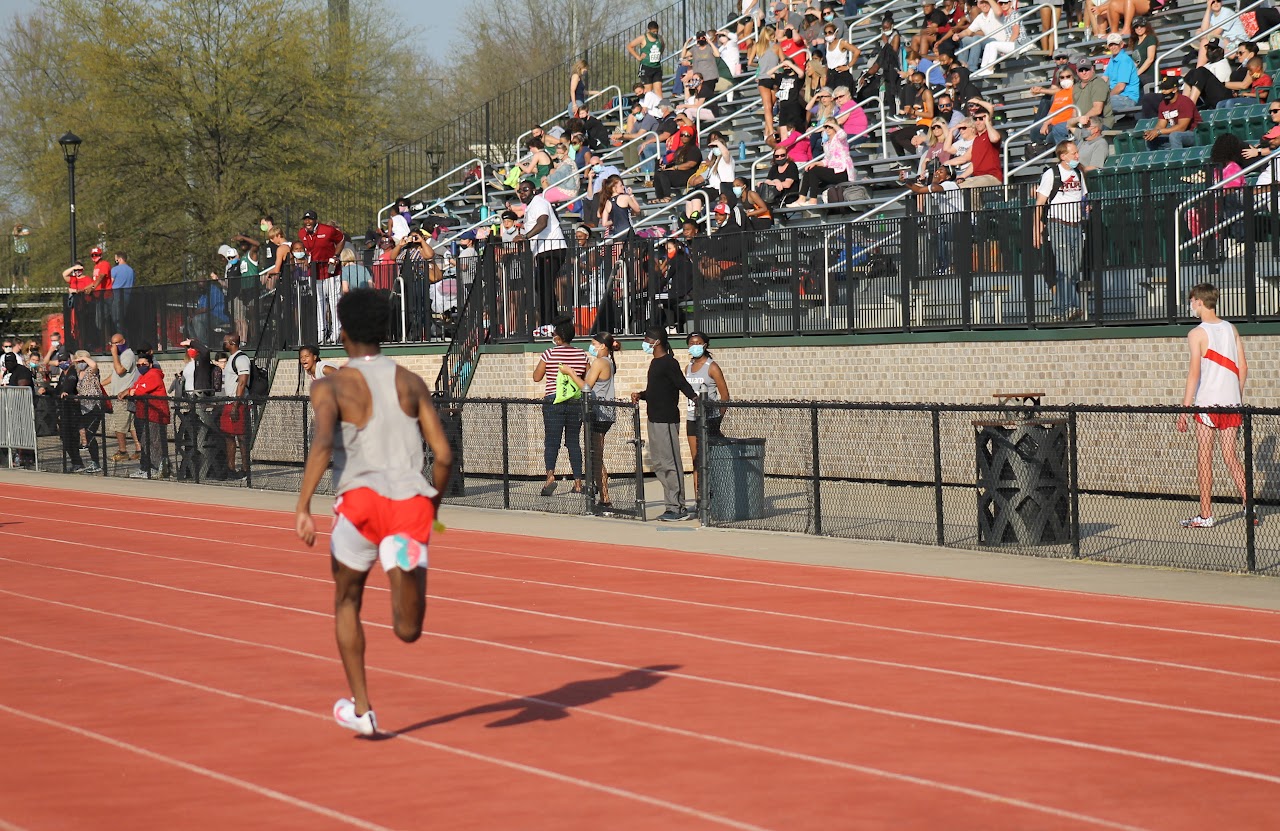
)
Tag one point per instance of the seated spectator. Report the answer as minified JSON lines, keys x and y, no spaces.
{"x":561,"y":184}
{"x":849,"y":114}
{"x":1269,"y":140}
{"x":638,"y":124}
{"x":836,"y":167}
{"x":984,"y":155}
{"x":695,"y":104}
{"x":758,"y":216}
{"x":1091,"y":95}
{"x":917,"y":106}
{"x":1092,"y":145}
{"x":1222,"y":23}
{"x":1061,"y":98}
{"x":944,"y":108}
{"x":538,"y":165}
{"x":1005,"y":39}
{"x":596,"y":173}
{"x":1206,"y":84}
{"x":593,"y":129}
{"x":675,"y":175}
{"x":938,"y":151}
{"x":1122,"y":76}
{"x":985,"y":22}
{"x":820,"y":107}
{"x":792,"y":141}
{"x":1178,"y":119}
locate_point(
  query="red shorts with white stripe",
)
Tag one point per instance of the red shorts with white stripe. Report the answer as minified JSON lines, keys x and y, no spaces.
{"x":370,"y":524}
{"x":1220,"y":421}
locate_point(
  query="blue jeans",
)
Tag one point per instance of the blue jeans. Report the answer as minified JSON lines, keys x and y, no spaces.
{"x":1124,"y":104}
{"x":562,"y":420}
{"x":1067,"y":241}
{"x":971,"y":55}
{"x":649,"y":158}
{"x":1059,"y":133}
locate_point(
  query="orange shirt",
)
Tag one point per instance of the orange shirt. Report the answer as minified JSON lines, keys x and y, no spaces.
{"x":1062,"y":98}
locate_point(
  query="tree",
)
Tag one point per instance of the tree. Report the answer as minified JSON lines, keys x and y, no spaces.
{"x":196,"y":117}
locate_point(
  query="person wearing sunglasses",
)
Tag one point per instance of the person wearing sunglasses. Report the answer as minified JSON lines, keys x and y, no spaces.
{"x":782,"y":182}
{"x":1058,"y":100}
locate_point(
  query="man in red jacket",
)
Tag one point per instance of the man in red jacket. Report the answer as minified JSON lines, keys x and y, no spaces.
{"x":151,"y":413}
{"x":324,"y":242}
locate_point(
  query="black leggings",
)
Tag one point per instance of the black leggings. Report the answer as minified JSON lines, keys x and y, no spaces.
{"x":666,"y":182}
{"x":818,"y":178}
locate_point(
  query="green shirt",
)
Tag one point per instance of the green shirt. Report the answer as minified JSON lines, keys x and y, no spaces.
{"x":652,"y":51}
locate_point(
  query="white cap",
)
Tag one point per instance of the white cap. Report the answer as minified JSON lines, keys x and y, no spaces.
{"x":227,"y":251}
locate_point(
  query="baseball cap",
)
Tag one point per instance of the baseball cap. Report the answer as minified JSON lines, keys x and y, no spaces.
{"x":1084,"y":65}
{"x":96,"y":252}
{"x":468,"y":235}
{"x":1115,"y":39}
{"x":227,"y":251}
{"x":1139,"y":21}
{"x":310,"y":215}
{"x":1168,"y":83}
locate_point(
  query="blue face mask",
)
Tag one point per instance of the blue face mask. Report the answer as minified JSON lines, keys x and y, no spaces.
{"x":824,"y":138}
{"x":697,"y":350}
{"x":591,"y":350}
{"x":737,"y":190}
{"x":828,"y":18}
{"x":597,"y":167}
{"x":1073,"y":163}
{"x":648,"y":348}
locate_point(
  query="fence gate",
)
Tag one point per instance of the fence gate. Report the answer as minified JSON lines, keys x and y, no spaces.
{"x":17,"y":421}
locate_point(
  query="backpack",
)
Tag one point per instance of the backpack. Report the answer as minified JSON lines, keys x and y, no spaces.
{"x":1057,"y":186}
{"x":259,"y":385}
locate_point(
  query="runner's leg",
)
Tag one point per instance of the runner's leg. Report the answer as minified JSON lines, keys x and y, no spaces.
{"x":348,"y":595}
{"x":1204,"y":467}
{"x":408,"y":602}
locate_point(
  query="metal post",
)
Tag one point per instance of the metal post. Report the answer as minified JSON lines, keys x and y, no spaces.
{"x":488,"y":136}
{"x":247,"y":458}
{"x":506,"y":456}
{"x":1250,"y":533}
{"x":102,"y":448}
{"x":795,"y":283}
{"x":1171,"y":265}
{"x":700,"y":464}
{"x":939,"y":528}
{"x":1250,"y":259}
{"x":588,"y":469}
{"x":639,"y":445}
{"x":850,"y":281}
{"x":1073,"y":451}
{"x":815,"y":461}
{"x":71,"y":194}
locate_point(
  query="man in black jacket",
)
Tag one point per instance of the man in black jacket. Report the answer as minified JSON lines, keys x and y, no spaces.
{"x":662,"y":393}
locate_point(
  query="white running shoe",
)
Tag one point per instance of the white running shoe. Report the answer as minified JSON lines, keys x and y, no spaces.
{"x":1197,"y":522}
{"x":344,"y":712}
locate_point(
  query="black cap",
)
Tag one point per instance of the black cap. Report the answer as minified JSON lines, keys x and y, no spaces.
{"x":310,"y":215}
{"x":701,"y":35}
{"x":1168,"y":83}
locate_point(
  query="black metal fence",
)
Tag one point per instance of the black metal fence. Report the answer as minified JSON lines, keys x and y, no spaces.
{"x":1090,"y":482}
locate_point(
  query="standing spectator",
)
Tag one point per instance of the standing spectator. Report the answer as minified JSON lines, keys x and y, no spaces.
{"x":766,"y":56}
{"x":313,"y":368}
{"x":101,"y":272}
{"x":1215,"y":378}
{"x":21,"y":256}
{"x":323,"y":242}
{"x":124,"y":373}
{"x":562,"y":423}
{"x":1093,"y":145}
{"x":69,"y":415}
{"x":89,"y":414}
{"x":707,"y":379}
{"x":782,"y":181}
{"x":650,"y":58}
{"x":541,"y":227}
{"x":662,"y":394}
{"x":1178,"y":119}
{"x":598,"y":383}
{"x":78,"y":286}
{"x":197,"y":375}
{"x":269,"y":252}
{"x":354,"y":274}
{"x":1060,"y":223}
{"x":578,"y":86}
{"x":234,"y":419}
{"x":398,"y":222}
{"x":232,"y":282}
{"x":151,"y":409}
{"x":280,"y":261}
{"x":122,"y":282}
{"x":841,"y":56}
{"x":1122,"y":76}
{"x":703,"y":57}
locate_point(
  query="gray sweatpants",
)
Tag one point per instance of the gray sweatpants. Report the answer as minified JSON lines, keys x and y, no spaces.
{"x":664,"y":453}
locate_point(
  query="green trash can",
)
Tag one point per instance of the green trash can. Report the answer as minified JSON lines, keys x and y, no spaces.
{"x":735,"y":479}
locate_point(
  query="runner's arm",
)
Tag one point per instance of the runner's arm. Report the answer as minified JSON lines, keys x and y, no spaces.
{"x":324,"y":404}
{"x":1195,"y":345}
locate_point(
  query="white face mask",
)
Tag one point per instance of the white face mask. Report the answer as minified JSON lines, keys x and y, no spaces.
{"x":1067,"y":83}
{"x":830,"y":38}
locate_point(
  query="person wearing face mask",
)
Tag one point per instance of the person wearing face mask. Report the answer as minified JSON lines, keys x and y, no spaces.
{"x":1178,"y":119}
{"x":841,"y":56}
{"x":707,"y":379}
{"x":1060,"y":99}
{"x":756,"y":210}
{"x":151,"y":409}
{"x":561,"y":423}
{"x":887,"y":64}
{"x":1215,"y":378}
{"x":918,"y":106}
{"x":597,"y":174}
{"x":665,"y":383}
{"x":1059,"y":228}
{"x":598,"y":383}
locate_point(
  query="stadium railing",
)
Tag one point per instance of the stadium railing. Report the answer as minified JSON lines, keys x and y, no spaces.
{"x":1077,"y":481}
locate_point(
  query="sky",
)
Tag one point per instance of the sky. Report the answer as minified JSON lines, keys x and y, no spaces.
{"x":438,"y":21}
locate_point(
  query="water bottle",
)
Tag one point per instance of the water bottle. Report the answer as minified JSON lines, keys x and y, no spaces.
{"x":742,"y":151}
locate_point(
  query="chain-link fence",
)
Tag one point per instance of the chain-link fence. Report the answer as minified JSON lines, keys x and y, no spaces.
{"x":1112,"y":484}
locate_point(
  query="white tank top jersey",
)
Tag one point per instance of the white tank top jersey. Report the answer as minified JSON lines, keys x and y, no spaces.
{"x":386,"y":455}
{"x":1219,"y":368}
{"x":837,"y":58}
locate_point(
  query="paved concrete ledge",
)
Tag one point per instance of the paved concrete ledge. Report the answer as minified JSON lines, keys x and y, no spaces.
{"x":1129,"y":581}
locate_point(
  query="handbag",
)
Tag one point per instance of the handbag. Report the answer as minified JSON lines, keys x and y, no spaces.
{"x":566,"y":388}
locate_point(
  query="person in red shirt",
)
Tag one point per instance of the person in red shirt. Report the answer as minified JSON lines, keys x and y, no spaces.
{"x":101,"y":271}
{"x":323,"y":243}
{"x":988,"y":169}
{"x":151,"y":412}
{"x":79,"y":285}
{"x":1178,"y":118}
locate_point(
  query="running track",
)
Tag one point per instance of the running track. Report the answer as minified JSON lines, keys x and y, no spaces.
{"x":169,"y":664}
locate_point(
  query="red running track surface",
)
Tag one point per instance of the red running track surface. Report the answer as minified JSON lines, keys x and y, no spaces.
{"x":172,"y":665}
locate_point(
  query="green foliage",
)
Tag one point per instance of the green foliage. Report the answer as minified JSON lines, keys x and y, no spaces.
{"x":196,"y":115}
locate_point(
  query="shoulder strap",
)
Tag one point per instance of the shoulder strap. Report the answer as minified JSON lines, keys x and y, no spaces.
{"x":1053,"y":191}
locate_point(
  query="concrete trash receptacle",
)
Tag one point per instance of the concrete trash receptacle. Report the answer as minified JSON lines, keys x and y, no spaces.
{"x":735,"y":479}
{"x":1023,"y":482}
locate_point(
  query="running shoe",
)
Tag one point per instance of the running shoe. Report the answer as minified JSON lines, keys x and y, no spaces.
{"x":139,"y":474}
{"x":78,"y":469}
{"x":1197,"y":522}
{"x":344,"y":712}
{"x":92,"y":467}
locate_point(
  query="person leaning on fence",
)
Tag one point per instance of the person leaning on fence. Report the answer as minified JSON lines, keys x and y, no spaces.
{"x":1215,"y":378}
{"x":707,"y":379}
{"x":151,"y":409}
{"x":313,"y":368}
{"x":662,"y":392}
{"x":123,"y":374}
{"x":598,"y":383}
{"x":561,"y":422}
{"x":1060,"y":209}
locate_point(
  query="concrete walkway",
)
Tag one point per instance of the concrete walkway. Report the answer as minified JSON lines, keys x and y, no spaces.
{"x":1131,"y":581}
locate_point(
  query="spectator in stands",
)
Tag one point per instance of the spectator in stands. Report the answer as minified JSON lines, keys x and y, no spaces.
{"x":674,"y":176}
{"x":719,"y":165}
{"x":1004,"y":40}
{"x":354,"y":274}
{"x":922,"y":42}
{"x":728,"y":49}
{"x":938,"y":151}
{"x":1206,"y":83}
{"x":1248,"y":82}
{"x":782,"y":181}
{"x":313,"y":368}
{"x":538,"y":165}
{"x":944,"y":108}
{"x":231,"y":272}
{"x":836,"y":168}
{"x":1122,"y":76}
{"x":398,"y":222}
{"x":703,"y":56}
{"x":1060,"y":100}
{"x":786,"y":17}
{"x":1178,"y":119}
{"x":323,"y":243}
{"x":650,"y":48}
{"x":122,"y":282}
{"x":562,"y":423}
{"x":1145,"y":50}
{"x":940,"y":198}
{"x":917,"y":106}
{"x":984,"y":155}
{"x":151,"y":410}
{"x":1270,"y":140}
{"x":541,"y":228}
{"x":1059,"y":228}
{"x":578,"y":87}
{"x":123,"y":374}
{"x":90,"y":391}
{"x":1221,"y":23}
{"x":1091,"y":96}
{"x":708,"y":381}
{"x":841,"y":57}
{"x":280,"y":260}
{"x":234,"y":418}
{"x":1092,"y":145}
{"x":850,"y":115}
{"x":636,"y":126}
{"x":886,"y":65}
{"x":616,"y":207}
{"x":78,"y":286}
{"x":596,"y":173}
{"x":561,"y":184}
{"x":985,"y":23}
{"x":593,"y":129}
{"x":789,"y":94}
{"x":662,"y":393}
{"x":766,"y":57}
{"x":756,"y":213}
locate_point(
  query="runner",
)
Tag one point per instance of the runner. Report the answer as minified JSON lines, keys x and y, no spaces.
{"x":371,"y":417}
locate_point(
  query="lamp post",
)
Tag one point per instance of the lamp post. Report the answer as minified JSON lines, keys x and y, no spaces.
{"x":70,"y":149}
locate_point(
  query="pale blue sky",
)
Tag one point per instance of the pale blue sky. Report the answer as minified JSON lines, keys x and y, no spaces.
{"x":437,"y":21}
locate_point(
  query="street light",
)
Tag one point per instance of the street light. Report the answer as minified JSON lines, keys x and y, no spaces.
{"x":70,"y":149}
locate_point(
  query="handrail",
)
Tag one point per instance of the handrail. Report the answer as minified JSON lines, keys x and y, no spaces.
{"x":724,"y":119}
{"x":568,"y":111}
{"x":667,"y":208}
{"x":404,"y":329}
{"x":883,"y":205}
{"x":1008,"y":140}
{"x":481,"y":180}
{"x":447,"y":241}
{"x":658,"y":156}
{"x":382,"y":212}
{"x":1034,"y":159}
{"x":1017,"y":20}
{"x":1194,"y":37}
{"x":1270,"y":158}
{"x":1025,"y":46}
{"x":884,"y":141}
{"x":640,"y":138}
{"x":697,"y":121}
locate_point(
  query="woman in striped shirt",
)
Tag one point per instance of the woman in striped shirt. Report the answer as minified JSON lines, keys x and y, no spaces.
{"x":562,"y":423}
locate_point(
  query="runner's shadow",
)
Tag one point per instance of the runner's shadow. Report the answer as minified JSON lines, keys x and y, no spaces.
{"x":554,"y":705}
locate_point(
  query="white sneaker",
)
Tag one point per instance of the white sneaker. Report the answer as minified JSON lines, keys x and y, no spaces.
{"x":344,"y":712}
{"x":139,"y":474}
{"x":1197,"y":522}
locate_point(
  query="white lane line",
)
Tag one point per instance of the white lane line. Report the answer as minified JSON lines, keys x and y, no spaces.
{"x":217,"y":776}
{"x":852,"y":624}
{"x":9,"y":826}
{"x":820,"y":760}
{"x":457,"y":751}
{"x":726,"y":557}
{"x":849,"y":705}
